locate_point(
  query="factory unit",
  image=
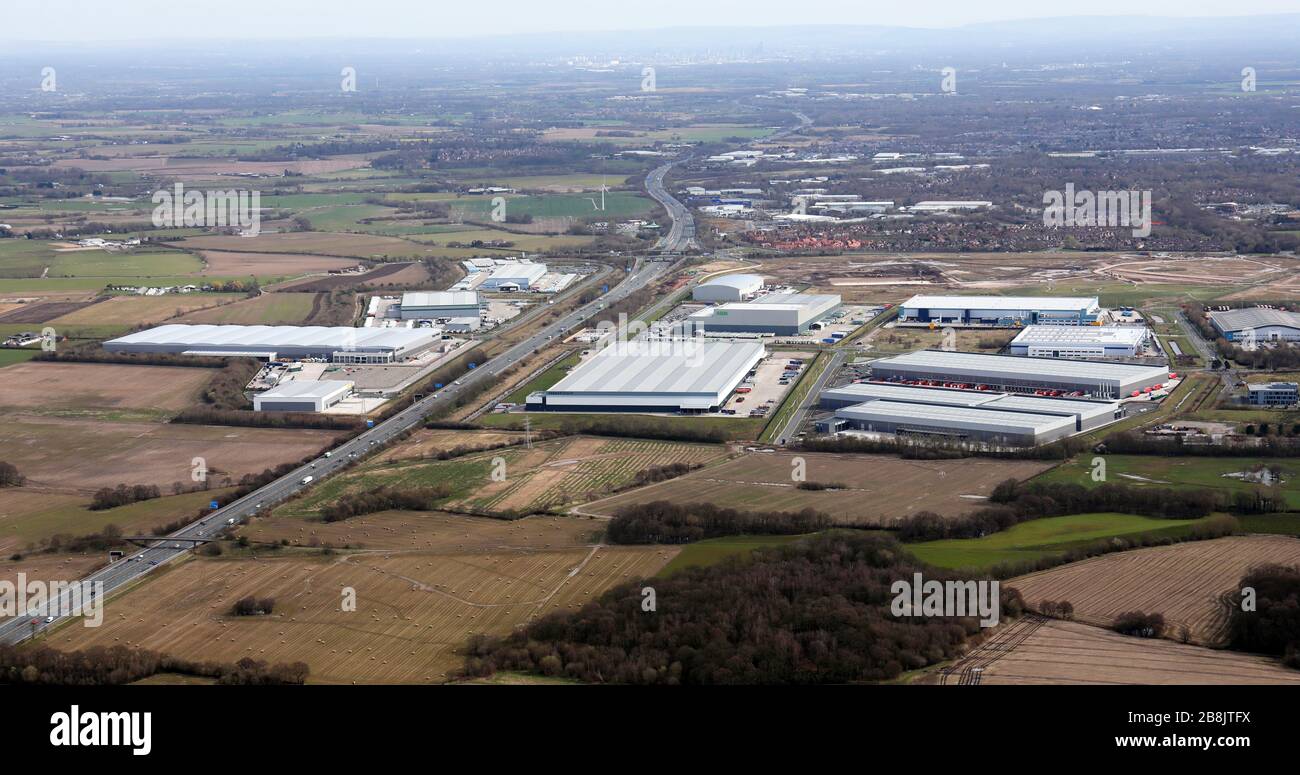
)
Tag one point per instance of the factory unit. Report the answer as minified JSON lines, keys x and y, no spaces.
{"x":1273,"y":394}
{"x":302,"y":396}
{"x":653,"y":376}
{"x":513,"y":277}
{"x":339,"y":344}
{"x":732,"y":287}
{"x":1081,"y":341}
{"x":424,"y":305}
{"x":1019,"y":374}
{"x":783,"y":314}
{"x":1000,"y":311}
{"x":891,"y":407}
{"x":1265,"y":325}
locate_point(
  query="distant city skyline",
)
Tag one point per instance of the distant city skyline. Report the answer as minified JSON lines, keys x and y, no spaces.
{"x":161,"y":20}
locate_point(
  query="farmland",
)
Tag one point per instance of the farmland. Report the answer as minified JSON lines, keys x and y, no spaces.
{"x":87,"y":387}
{"x":415,"y":609}
{"x":1207,"y":472}
{"x":1191,"y":584}
{"x":1075,"y":653}
{"x":267,"y":309}
{"x":877,"y":489}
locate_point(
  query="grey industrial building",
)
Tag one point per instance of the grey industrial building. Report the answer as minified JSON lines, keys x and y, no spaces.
{"x":1003,"y":418}
{"x":653,"y":376}
{"x":1081,"y":341}
{"x":340,"y":344}
{"x":302,"y":396}
{"x":434,"y":305}
{"x":1273,"y":394}
{"x":1018,"y":374}
{"x":783,"y":314}
{"x":1000,"y":311}
{"x":1265,"y":325}
{"x":732,"y":287}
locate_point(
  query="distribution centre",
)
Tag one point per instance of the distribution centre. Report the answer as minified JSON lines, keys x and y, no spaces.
{"x":1000,"y":311}
{"x":1019,"y":374}
{"x":340,"y":344}
{"x":787,"y":314}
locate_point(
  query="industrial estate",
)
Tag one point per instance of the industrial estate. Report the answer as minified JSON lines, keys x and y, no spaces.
{"x":522,"y":332}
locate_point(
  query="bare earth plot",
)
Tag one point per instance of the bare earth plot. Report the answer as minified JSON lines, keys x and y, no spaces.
{"x":52,"y":385}
{"x":424,"y":530}
{"x":878,"y":489}
{"x":223,"y":263}
{"x":414,"y":612}
{"x":1075,"y":653}
{"x":85,"y":456}
{"x":137,"y":310}
{"x":1190,"y":584}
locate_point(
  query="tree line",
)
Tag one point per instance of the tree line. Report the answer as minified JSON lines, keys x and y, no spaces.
{"x":123,"y":494}
{"x":384,"y":499}
{"x":117,"y":665}
{"x":663,"y":522}
{"x":1273,"y":627}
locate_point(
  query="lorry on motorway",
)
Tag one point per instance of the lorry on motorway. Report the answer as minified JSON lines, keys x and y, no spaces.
{"x":307,"y":479}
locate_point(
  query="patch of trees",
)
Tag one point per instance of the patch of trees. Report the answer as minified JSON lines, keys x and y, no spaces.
{"x":117,"y":665}
{"x":123,"y":494}
{"x":1062,"y":609}
{"x":9,"y":475}
{"x":93,"y":353}
{"x":107,"y":538}
{"x":384,"y":499}
{"x":1016,"y":503}
{"x":917,"y":448}
{"x":663,"y":522}
{"x":1274,"y":626}
{"x":746,"y":622}
{"x":821,"y":486}
{"x":1139,"y":624}
{"x":1135,"y":443}
{"x":225,"y":390}
{"x":250,"y":419}
{"x":663,"y":473}
{"x":251,"y":606}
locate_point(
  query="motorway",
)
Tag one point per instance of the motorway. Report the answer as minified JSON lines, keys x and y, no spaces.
{"x":142,"y":562}
{"x":682,"y":234}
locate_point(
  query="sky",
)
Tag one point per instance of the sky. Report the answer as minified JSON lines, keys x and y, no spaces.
{"x":99,"y":20}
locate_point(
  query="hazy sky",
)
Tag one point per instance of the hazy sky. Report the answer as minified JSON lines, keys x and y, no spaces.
{"x":84,"y":20}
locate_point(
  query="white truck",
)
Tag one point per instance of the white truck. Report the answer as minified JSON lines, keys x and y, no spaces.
{"x":307,"y":479}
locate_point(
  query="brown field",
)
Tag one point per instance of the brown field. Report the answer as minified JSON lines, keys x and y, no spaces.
{"x":428,"y":442}
{"x":43,"y":311}
{"x":878,"y":489}
{"x":50,"y":385}
{"x":415,"y":610}
{"x":49,"y":567}
{"x":308,"y":242}
{"x":384,"y":274}
{"x":83,"y":456}
{"x":139,"y":310}
{"x":1075,"y":653}
{"x":224,"y":263}
{"x":420,"y":530}
{"x":190,"y":169}
{"x":1190,"y":584}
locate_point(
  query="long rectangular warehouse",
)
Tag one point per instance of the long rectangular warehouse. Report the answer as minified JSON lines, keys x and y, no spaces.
{"x":1086,"y":414}
{"x":1081,"y":341}
{"x":956,"y":422}
{"x":659,"y":376}
{"x":1019,"y":374}
{"x":1001,"y":311}
{"x":784,"y":314}
{"x":340,"y":344}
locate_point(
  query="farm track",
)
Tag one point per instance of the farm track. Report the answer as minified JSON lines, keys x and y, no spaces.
{"x":970,"y":669}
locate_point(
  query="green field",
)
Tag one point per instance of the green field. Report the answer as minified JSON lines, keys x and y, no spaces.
{"x":1179,"y":472}
{"x":9,"y":356}
{"x":75,"y":519}
{"x":1287,"y":523}
{"x":714,"y":550}
{"x":733,"y":427}
{"x":546,"y":380}
{"x":1039,"y":538}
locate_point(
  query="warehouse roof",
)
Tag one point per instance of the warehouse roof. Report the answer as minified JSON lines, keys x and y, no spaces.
{"x":738,"y":281}
{"x":1074,"y":369}
{"x":937,"y":396}
{"x":1003,"y":302}
{"x":1255,"y":317}
{"x":785,"y":301}
{"x":660,"y":367}
{"x":440,"y":299}
{"x":1067,"y":335}
{"x":956,"y":416}
{"x":271,"y":337}
{"x":306,"y":388}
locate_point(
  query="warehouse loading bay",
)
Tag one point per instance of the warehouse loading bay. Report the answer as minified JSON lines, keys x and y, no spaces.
{"x":762,"y":391}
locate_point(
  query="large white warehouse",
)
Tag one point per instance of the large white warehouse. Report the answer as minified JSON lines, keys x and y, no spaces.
{"x":1017,"y":374}
{"x":302,"y":396}
{"x":784,"y":314}
{"x":1264,"y":325}
{"x":653,"y":376}
{"x":424,"y":305}
{"x":732,"y":287}
{"x":340,"y":344}
{"x":1000,"y":311}
{"x":514,"y":277}
{"x":1081,"y":341}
